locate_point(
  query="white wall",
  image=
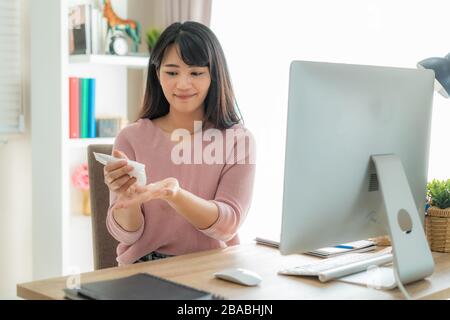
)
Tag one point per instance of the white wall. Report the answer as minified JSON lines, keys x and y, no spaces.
{"x":261,"y":37}
{"x":15,"y":194}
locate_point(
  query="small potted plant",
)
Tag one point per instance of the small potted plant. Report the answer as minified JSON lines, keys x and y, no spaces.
{"x":437,"y":220}
{"x":80,"y":180}
{"x":152,"y":36}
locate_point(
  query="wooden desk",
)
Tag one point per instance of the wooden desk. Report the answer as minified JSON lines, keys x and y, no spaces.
{"x":197,"y":270}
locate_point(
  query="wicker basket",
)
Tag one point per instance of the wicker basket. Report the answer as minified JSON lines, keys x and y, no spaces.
{"x":437,"y":228}
{"x":383,"y":241}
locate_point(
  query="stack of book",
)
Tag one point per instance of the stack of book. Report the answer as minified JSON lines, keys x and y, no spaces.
{"x":82,"y":108}
{"x":87,"y":30}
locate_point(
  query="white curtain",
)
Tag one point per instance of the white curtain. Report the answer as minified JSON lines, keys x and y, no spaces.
{"x":188,"y":10}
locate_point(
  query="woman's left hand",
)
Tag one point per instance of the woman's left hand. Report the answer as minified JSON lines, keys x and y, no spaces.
{"x":165,"y":189}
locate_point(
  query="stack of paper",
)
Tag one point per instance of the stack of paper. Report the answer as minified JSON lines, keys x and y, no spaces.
{"x":327,"y":252}
{"x":267,"y":242}
{"x":356,"y":246}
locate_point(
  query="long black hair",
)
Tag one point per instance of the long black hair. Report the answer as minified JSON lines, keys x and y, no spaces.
{"x":198,"y":46}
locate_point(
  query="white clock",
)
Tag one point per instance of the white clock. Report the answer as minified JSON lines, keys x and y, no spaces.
{"x":119,"y":45}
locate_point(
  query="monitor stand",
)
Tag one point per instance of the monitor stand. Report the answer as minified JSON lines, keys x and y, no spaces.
{"x":412,"y":256}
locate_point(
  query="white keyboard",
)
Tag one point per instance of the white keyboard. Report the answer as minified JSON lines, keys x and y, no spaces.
{"x":353,"y":262}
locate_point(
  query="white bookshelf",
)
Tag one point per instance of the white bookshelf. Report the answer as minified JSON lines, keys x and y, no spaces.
{"x":61,"y":234}
{"x":111,"y":60}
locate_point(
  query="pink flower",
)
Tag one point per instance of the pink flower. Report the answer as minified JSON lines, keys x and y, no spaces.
{"x":80,"y":177}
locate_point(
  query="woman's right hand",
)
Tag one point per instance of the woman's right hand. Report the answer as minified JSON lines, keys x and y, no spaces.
{"x":116,"y":175}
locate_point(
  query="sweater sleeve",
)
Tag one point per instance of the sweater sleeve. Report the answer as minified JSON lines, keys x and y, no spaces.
{"x":123,"y":144}
{"x":234,"y":192}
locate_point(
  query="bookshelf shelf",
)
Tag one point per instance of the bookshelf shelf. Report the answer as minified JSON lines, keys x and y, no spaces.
{"x":111,"y":60}
{"x":82,"y":143}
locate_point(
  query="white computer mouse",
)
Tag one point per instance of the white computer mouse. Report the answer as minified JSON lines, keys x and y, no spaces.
{"x":240,"y":276}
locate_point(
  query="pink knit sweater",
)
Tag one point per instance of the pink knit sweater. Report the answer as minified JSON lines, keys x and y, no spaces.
{"x":228,"y":184}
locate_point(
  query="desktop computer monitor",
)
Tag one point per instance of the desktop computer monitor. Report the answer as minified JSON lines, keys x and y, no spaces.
{"x":356,"y":159}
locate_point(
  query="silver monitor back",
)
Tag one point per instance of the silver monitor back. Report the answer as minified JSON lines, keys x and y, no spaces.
{"x":339,"y":115}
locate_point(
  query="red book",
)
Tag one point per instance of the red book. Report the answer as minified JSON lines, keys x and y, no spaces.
{"x":74,"y":111}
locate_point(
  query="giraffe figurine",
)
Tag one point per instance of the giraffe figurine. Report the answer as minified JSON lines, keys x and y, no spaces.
{"x":131,"y":27}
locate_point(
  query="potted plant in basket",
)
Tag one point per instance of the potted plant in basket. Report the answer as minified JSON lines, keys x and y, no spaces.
{"x":437,"y":220}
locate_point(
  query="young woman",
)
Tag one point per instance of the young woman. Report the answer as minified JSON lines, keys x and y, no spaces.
{"x":199,"y":158}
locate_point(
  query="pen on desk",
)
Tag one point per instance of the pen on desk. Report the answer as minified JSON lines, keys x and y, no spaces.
{"x":344,"y":247}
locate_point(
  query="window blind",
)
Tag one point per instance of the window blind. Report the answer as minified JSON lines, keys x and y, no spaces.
{"x":11,"y":115}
